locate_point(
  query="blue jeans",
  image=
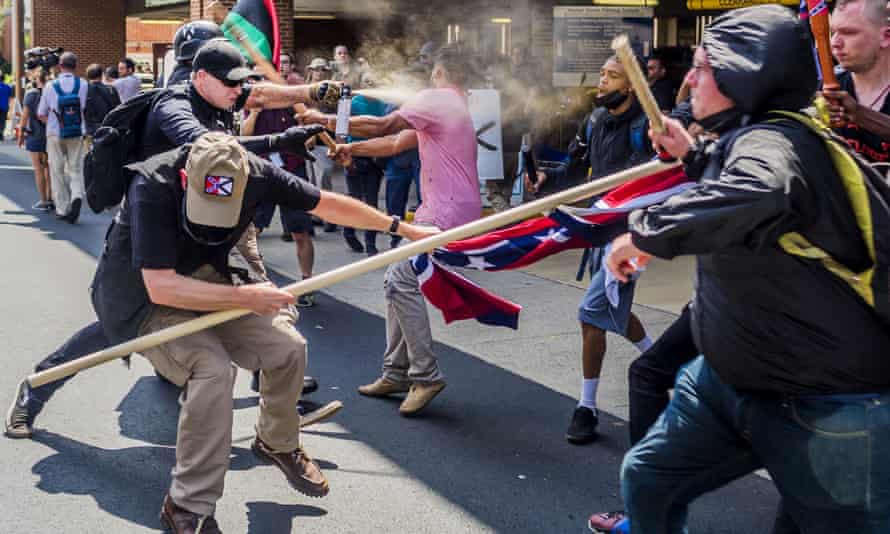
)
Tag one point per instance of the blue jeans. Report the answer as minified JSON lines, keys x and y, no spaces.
{"x":85,"y":341}
{"x":828,"y":455}
{"x":401,"y":170}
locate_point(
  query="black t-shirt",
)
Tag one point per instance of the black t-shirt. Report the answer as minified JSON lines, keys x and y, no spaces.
{"x":148,"y":233}
{"x":100,"y":100}
{"x":663,"y":91}
{"x":869,"y":145}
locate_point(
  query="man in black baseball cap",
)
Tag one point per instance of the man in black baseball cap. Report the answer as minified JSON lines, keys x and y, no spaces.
{"x":221,"y":59}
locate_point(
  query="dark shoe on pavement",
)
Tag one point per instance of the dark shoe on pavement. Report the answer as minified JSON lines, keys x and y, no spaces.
{"x":302,"y":473}
{"x":582,"y":429}
{"x":382,"y":387}
{"x":354,"y":243}
{"x":419,"y":396}
{"x":310,"y":385}
{"x":180,"y":521}
{"x":21,"y":414}
{"x":73,"y":211}
{"x":286,"y":237}
{"x":609,"y":523}
{"x":329,"y":227}
{"x":306,"y":300}
{"x":371,"y":249}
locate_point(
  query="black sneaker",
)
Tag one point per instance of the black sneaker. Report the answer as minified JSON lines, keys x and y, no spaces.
{"x":287,"y":237}
{"x":582,"y":429}
{"x":20,"y":417}
{"x":310,"y":385}
{"x":371,"y":249}
{"x":354,"y":243}
{"x":74,"y":211}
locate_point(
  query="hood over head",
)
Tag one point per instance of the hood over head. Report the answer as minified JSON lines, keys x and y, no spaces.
{"x":762,"y":59}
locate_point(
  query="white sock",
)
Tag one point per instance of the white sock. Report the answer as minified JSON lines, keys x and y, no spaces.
{"x":644,"y":344}
{"x":588,"y":392}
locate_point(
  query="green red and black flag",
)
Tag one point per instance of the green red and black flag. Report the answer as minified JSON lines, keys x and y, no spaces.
{"x":256,"y":22}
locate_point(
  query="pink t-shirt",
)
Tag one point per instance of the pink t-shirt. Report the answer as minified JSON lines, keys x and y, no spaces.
{"x":449,"y":181}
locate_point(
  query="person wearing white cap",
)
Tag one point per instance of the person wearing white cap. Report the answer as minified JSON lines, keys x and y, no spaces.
{"x":165,"y":262}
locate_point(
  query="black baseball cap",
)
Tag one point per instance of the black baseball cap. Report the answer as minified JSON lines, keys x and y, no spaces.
{"x":222,"y":59}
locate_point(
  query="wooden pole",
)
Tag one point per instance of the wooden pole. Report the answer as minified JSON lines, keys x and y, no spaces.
{"x":18,"y":48}
{"x":622,"y":48}
{"x":359,"y":268}
{"x":818,"y":11}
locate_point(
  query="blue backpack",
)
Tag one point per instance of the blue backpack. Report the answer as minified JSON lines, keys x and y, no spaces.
{"x":69,"y":112}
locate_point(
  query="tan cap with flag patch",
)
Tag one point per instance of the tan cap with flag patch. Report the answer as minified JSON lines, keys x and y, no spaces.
{"x":217,"y":170}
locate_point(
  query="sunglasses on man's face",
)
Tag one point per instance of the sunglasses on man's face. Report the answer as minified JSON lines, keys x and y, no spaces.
{"x":231,"y":84}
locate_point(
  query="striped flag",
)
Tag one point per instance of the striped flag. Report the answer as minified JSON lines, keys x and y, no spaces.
{"x":529,"y":242}
{"x":256,"y":22}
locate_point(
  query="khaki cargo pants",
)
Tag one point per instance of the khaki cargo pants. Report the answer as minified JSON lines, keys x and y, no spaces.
{"x":202,"y":364}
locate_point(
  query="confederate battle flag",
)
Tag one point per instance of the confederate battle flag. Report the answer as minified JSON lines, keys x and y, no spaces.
{"x":530,"y":241}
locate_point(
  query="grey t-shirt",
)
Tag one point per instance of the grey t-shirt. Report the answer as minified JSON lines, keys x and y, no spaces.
{"x":127,"y":87}
{"x":36,"y":128}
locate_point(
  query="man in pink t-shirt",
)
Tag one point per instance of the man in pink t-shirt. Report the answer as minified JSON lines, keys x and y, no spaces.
{"x":438,"y":122}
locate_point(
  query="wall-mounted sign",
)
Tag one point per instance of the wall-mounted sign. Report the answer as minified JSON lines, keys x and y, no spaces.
{"x":695,"y":5}
{"x":582,"y":38}
{"x":161,"y":3}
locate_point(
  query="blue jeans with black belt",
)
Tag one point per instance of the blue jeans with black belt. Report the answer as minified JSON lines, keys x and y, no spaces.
{"x":828,"y":455}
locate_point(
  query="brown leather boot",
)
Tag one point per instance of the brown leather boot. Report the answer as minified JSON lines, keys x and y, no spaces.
{"x":301,"y":471}
{"x":181,"y":521}
{"x":382,"y":387}
{"x":419,"y":396}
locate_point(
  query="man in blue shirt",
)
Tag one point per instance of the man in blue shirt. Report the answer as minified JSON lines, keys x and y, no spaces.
{"x":5,"y":95}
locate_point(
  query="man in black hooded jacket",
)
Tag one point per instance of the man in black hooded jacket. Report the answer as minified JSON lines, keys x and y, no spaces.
{"x":794,"y":376}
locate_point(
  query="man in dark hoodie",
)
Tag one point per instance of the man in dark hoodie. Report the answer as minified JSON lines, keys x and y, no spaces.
{"x":794,"y":376}
{"x":612,"y":138}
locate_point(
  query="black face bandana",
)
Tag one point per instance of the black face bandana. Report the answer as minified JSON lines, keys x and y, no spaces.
{"x":205,"y":235}
{"x":612,"y":100}
{"x":722,"y":121}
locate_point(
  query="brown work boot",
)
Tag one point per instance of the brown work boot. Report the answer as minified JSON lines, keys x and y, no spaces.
{"x":301,"y":471}
{"x":419,"y":396}
{"x":382,"y":387}
{"x":180,"y":521}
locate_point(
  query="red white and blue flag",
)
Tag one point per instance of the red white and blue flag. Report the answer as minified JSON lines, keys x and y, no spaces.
{"x":529,"y":242}
{"x":218,"y":186}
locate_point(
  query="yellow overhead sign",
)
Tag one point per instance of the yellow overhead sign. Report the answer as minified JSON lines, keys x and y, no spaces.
{"x":733,"y":4}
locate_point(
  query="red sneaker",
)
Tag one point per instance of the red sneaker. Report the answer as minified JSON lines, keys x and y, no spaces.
{"x":608,"y":523}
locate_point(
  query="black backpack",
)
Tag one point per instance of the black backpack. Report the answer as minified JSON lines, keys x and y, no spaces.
{"x":116,"y":144}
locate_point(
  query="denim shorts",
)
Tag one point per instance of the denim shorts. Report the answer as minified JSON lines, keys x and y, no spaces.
{"x":595,"y":309}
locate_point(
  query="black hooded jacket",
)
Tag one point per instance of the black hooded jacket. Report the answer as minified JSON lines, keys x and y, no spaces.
{"x":765,"y":320}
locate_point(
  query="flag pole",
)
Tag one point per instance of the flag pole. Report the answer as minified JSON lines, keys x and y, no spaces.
{"x":359,"y":268}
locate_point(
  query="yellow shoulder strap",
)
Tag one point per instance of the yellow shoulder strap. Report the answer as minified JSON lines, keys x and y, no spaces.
{"x":854,"y":183}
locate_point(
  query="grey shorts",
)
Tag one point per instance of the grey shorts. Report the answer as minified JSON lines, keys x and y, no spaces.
{"x":595,"y":309}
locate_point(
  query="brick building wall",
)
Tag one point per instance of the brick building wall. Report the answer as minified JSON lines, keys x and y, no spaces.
{"x":285,"y":8}
{"x":95,"y":35}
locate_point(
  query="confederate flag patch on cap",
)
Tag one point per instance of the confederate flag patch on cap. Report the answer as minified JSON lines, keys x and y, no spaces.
{"x":218,"y":186}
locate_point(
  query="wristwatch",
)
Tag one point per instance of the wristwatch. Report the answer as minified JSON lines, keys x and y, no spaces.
{"x":394,"y":227}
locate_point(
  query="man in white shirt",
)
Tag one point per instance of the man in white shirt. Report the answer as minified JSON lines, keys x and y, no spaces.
{"x":128,"y":84}
{"x":61,"y":108}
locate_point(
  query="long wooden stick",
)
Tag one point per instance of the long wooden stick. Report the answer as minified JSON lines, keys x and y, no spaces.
{"x":355,"y":269}
{"x":622,"y":48}
{"x":819,"y":25}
